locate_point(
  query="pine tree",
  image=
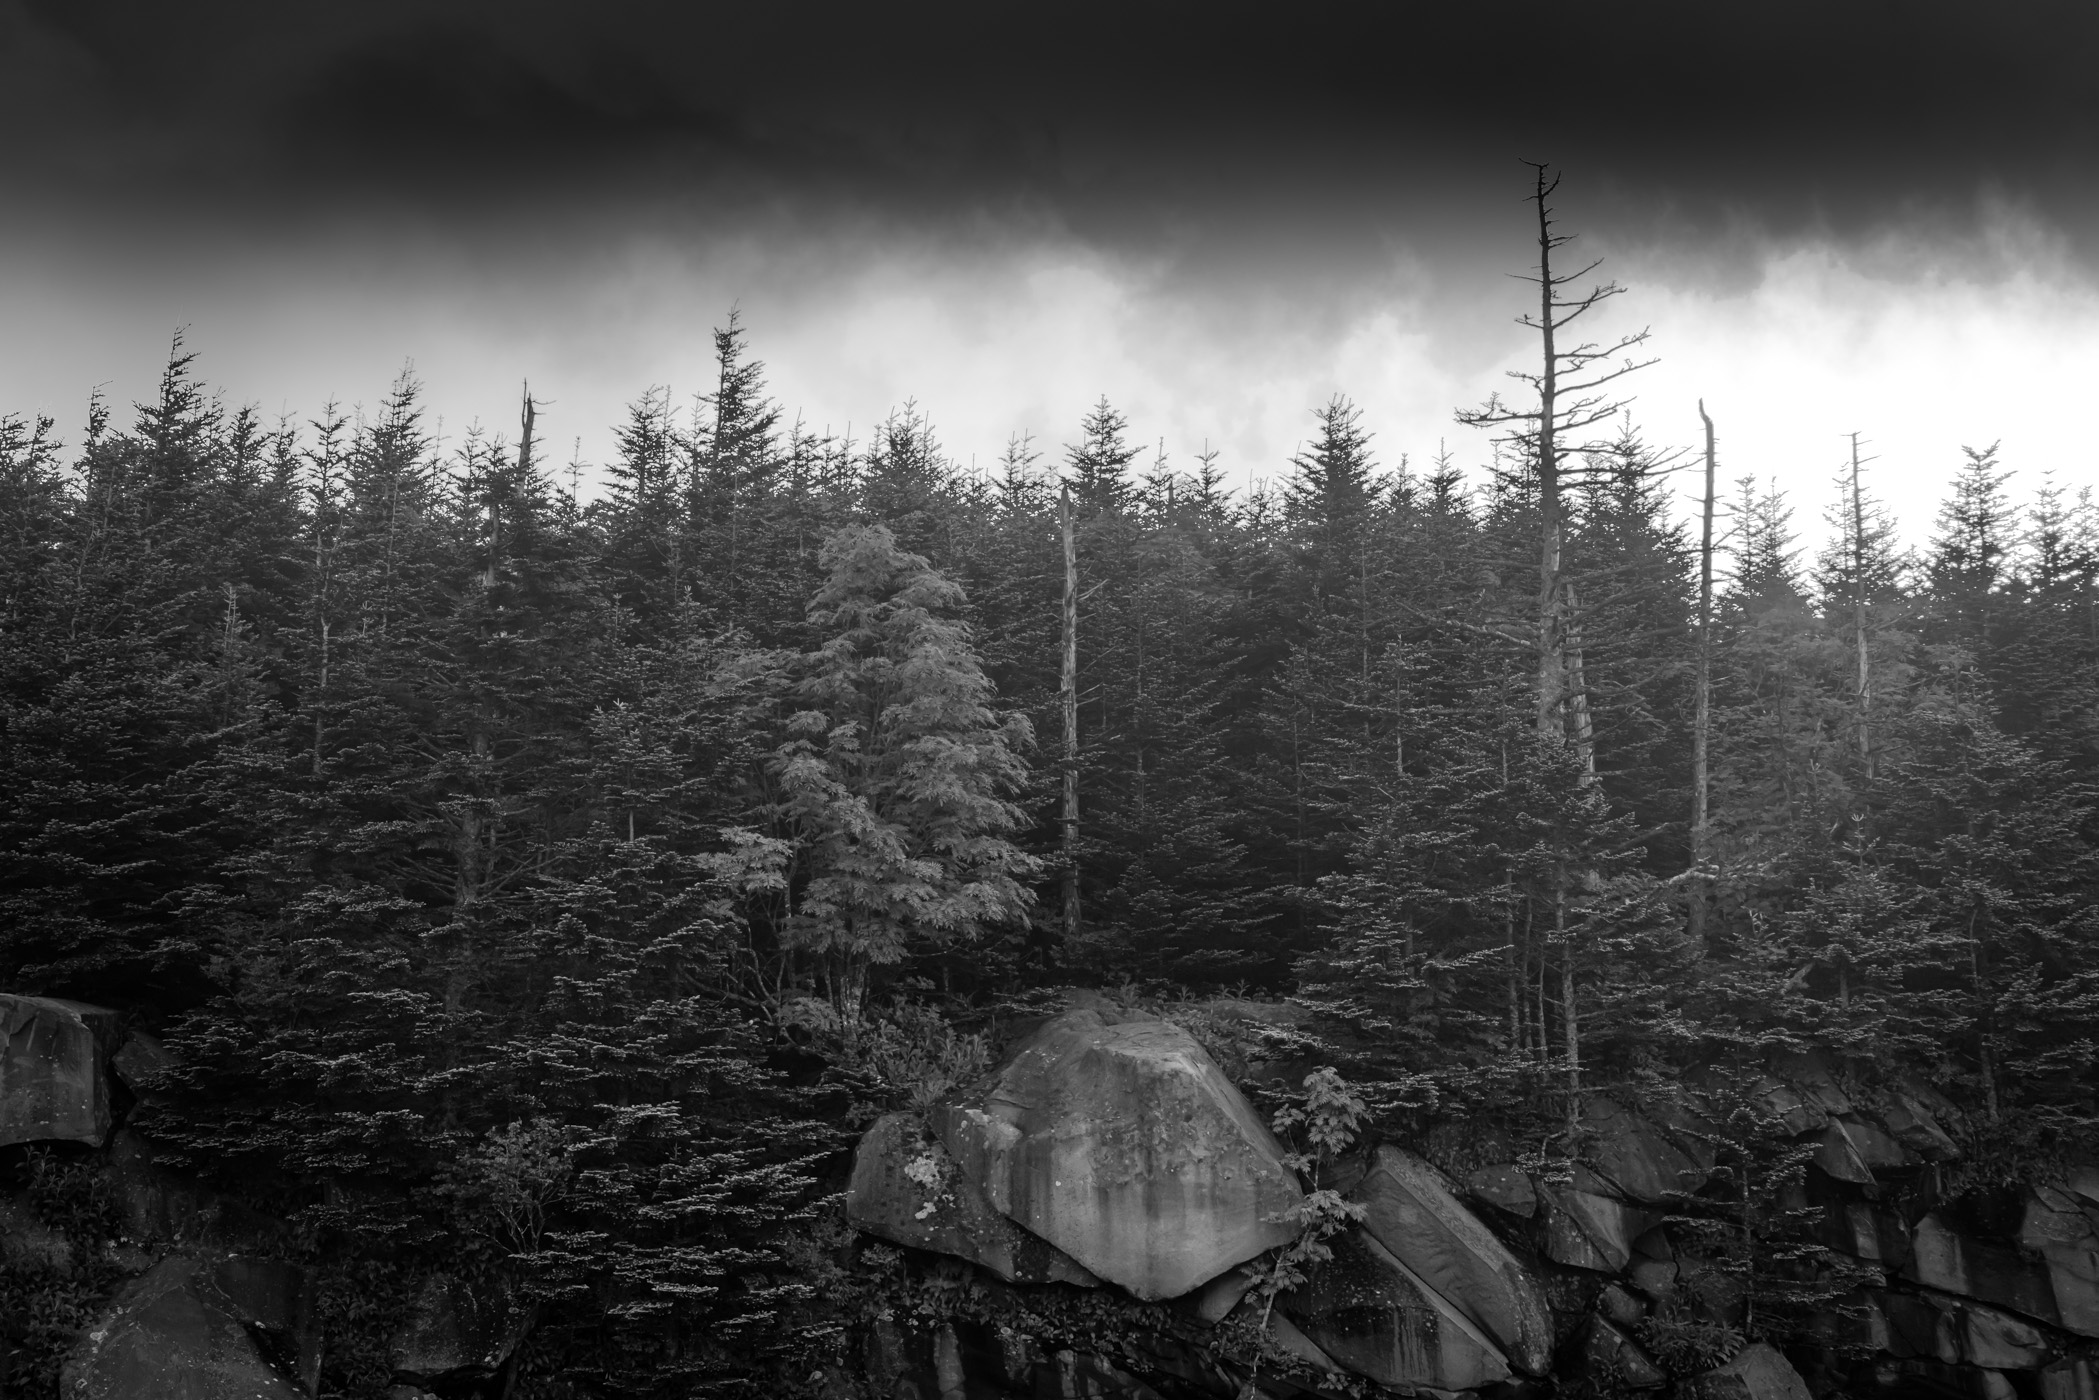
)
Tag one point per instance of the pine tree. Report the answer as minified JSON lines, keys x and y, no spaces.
{"x":895,"y":789}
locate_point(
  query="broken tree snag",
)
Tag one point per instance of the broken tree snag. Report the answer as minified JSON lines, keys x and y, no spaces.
{"x":1069,"y":697}
{"x":1702,"y":721}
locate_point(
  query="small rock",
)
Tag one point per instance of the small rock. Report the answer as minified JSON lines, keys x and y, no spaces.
{"x":52,"y":1081}
{"x":1620,"y":1306}
{"x":1759,"y":1373}
{"x":1615,"y":1359}
{"x":459,"y":1330}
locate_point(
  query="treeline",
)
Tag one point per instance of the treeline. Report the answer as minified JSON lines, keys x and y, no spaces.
{"x":551,"y":888}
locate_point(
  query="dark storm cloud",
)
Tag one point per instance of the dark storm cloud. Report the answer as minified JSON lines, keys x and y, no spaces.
{"x":1304,"y":121}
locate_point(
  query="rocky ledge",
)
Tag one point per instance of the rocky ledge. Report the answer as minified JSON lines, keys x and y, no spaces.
{"x":1109,"y":1153}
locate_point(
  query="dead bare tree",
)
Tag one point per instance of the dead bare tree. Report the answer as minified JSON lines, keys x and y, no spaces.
{"x":1567,"y":393}
{"x":1568,"y":388}
{"x":1702,"y":722}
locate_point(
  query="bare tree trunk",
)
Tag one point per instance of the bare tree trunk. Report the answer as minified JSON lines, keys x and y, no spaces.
{"x":1570,"y":1010}
{"x":1578,"y":691}
{"x":1070,"y":698}
{"x":1702,"y":722}
{"x":1858,"y":614}
{"x":1552,"y":660}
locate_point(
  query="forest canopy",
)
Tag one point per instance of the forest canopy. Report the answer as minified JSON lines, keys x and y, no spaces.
{"x":559,"y":885}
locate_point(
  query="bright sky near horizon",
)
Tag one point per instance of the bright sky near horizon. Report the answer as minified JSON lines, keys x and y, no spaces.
{"x":1006,"y":256}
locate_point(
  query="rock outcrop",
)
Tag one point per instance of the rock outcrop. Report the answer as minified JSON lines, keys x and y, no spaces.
{"x":1411,"y":1211}
{"x":1117,"y":1139}
{"x":1108,"y":1149}
{"x":54,"y":1081}
{"x":908,"y":1189}
{"x":1635,"y":1157}
{"x":193,"y":1329}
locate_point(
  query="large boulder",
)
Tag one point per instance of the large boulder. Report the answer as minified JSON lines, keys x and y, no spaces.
{"x":54,"y":1084}
{"x":908,"y":1189}
{"x":193,"y":1329}
{"x":458,"y":1331}
{"x":1760,"y":1372}
{"x":1633,"y":1155}
{"x":1115,"y":1137}
{"x":1378,"y":1318}
{"x":1412,"y":1212}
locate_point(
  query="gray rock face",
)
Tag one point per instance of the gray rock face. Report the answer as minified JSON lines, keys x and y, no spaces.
{"x":1413,"y":1214}
{"x":1759,"y":1373}
{"x":1947,"y":1261}
{"x":908,"y":1189}
{"x":1117,"y":1139}
{"x":233,"y":1329}
{"x":1588,"y":1228}
{"x":1506,"y":1187}
{"x":53,"y":1080}
{"x":1376,"y":1317}
{"x":1633,"y":1155}
{"x":457,"y":1330}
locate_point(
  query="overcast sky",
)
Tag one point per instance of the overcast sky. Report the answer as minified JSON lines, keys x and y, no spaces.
{"x":1833,"y":217}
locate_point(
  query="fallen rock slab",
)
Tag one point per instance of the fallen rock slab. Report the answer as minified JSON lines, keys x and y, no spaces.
{"x":1374,"y":1316}
{"x":1116,"y":1138}
{"x":908,"y":1188}
{"x":193,"y":1329}
{"x":54,"y":1085}
{"x":1412,"y":1213}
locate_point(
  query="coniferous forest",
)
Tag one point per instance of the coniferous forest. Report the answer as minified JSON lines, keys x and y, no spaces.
{"x":547,"y":893}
